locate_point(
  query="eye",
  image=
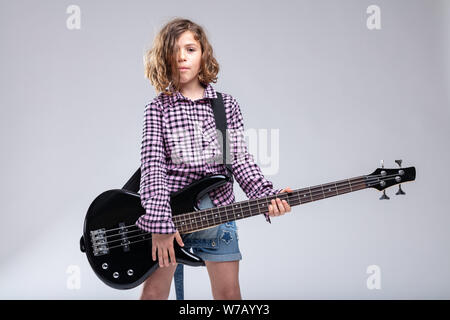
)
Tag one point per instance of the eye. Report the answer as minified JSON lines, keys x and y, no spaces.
{"x":191,"y":49}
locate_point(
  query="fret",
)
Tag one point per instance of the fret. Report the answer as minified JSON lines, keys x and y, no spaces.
{"x":329,"y":190}
{"x":201,"y":216}
{"x":257,"y":205}
{"x":304,"y":196}
{"x":313,"y":190}
{"x":204,"y":218}
{"x":239,"y":210}
{"x":249,"y":208}
{"x":233,"y":213}
{"x":220,"y":214}
{"x":349,"y":183}
{"x":198,"y":218}
{"x":186,"y":223}
{"x":216,"y":215}
{"x":337,"y":191}
{"x":195,"y":220}
{"x":264,"y":205}
{"x":310,"y":194}
{"x":321,"y":186}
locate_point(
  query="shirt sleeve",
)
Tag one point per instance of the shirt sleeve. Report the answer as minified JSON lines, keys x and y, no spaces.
{"x":154,"y":192}
{"x":247,"y":173}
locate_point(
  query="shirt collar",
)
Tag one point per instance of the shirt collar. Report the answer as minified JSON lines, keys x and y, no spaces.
{"x":209,"y":93}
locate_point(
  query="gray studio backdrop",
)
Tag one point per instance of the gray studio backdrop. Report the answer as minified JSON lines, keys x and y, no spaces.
{"x":342,"y":95}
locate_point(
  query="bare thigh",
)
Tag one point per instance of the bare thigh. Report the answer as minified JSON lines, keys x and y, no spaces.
{"x":224,"y":277}
{"x":157,"y":285}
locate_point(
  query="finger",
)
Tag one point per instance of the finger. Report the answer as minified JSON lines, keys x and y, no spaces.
{"x":280,"y":206}
{"x":166,"y":257}
{"x":172,"y":256}
{"x":153,"y":252}
{"x":275,"y":208}
{"x":160,"y":257}
{"x":179,"y":239}
{"x":270,"y":210}
{"x":286,"y":190}
{"x":287,"y":206}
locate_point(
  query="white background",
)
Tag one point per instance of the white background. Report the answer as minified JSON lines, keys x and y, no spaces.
{"x":343,"y":97}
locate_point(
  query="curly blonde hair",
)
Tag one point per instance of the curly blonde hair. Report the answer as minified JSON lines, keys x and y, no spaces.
{"x":160,"y":61}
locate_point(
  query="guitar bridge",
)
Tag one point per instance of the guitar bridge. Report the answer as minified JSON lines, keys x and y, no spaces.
{"x":99,"y":243}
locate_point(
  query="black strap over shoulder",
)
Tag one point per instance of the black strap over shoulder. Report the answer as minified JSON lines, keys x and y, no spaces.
{"x":221,"y":124}
{"x":133,"y":184}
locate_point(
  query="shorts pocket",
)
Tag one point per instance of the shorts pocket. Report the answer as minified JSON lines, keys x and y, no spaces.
{"x":207,"y":238}
{"x":210,"y":233}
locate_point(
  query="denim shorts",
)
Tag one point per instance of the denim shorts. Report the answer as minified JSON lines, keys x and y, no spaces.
{"x":219,"y":243}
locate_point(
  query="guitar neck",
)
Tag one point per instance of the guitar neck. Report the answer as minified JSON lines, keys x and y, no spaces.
{"x":203,"y":219}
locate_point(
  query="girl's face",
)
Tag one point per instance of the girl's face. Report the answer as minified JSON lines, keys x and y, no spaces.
{"x":188,"y":56}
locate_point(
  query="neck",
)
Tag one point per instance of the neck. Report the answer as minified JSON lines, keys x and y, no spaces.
{"x":192,"y":90}
{"x":197,"y":220}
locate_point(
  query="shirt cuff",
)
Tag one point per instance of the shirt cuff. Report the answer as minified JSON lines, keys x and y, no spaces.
{"x":153,"y":226}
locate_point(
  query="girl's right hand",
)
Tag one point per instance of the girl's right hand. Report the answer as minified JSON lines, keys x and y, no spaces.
{"x":163,"y":244}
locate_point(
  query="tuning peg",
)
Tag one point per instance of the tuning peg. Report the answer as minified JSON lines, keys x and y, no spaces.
{"x":384,"y":196}
{"x":382,"y":163}
{"x":400,"y":191}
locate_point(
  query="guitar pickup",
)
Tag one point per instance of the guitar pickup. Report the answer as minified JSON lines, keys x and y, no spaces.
{"x":123,"y":234}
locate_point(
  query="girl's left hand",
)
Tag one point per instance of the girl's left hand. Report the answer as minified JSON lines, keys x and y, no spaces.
{"x":278,"y":207}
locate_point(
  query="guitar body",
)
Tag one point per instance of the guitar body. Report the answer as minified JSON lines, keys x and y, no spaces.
{"x":120,"y":253}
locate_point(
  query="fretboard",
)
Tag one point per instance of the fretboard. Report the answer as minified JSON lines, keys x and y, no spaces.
{"x":197,"y":220}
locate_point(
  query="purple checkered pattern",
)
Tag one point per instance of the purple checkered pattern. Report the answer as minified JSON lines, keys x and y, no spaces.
{"x":179,"y":146}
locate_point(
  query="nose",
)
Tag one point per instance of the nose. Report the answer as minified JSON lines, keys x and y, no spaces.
{"x":182,"y":55}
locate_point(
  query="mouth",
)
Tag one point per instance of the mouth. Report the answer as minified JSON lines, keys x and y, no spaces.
{"x":183,"y":69}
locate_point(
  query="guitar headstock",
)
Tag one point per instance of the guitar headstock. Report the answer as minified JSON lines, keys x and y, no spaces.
{"x":383,"y":178}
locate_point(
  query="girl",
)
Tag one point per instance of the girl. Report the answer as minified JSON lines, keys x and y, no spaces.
{"x":181,"y":67}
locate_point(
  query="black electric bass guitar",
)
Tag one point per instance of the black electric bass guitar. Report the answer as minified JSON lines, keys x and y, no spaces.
{"x":120,"y":253}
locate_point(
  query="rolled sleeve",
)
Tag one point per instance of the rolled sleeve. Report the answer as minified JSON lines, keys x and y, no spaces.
{"x":154,"y":191}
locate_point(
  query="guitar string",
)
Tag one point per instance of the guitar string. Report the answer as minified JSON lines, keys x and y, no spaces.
{"x":143,"y":234}
{"x":150,"y":236}
{"x":211,"y":217}
{"x":185,"y":215}
{"x":193,"y":224}
{"x":249,"y":208}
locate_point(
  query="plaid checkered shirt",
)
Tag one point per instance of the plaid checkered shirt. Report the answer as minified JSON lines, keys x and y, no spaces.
{"x":179,"y":146}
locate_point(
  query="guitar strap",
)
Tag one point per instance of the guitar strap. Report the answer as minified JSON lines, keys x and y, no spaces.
{"x":133,"y":184}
